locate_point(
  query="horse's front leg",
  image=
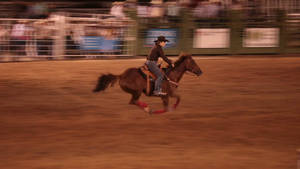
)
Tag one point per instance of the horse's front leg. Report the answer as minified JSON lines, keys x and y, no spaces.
{"x":165,"y":100}
{"x":177,"y":99}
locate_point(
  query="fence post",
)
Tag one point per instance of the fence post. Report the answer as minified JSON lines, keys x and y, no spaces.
{"x":132,"y":38}
{"x":186,"y":31}
{"x":132,"y":35}
{"x":281,"y":20}
{"x":236,"y":32}
{"x":59,"y":38}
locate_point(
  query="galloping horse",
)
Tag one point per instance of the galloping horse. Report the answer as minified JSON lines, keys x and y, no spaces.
{"x":133,"y":82}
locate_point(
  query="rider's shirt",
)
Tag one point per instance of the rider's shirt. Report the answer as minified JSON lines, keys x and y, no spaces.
{"x":157,"y":52}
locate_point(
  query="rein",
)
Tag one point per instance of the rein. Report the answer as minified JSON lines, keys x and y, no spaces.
{"x":190,"y":73}
{"x":172,"y":82}
{"x":177,"y":84}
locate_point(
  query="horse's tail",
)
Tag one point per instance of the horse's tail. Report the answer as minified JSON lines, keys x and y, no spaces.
{"x":104,"y":81}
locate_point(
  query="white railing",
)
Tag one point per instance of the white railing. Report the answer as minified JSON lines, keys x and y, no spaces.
{"x":65,"y":34}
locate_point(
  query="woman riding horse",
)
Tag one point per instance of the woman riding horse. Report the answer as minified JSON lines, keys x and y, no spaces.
{"x":133,"y":82}
{"x":151,"y":62}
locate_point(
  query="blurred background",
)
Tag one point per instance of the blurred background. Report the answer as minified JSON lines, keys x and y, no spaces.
{"x":80,"y":29}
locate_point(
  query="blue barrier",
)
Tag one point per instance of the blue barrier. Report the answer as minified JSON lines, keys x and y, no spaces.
{"x":96,"y":44}
{"x":170,"y":34}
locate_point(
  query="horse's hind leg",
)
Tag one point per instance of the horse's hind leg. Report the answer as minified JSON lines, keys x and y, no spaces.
{"x":134,"y":97}
{"x":135,"y":101}
{"x":134,"y":87}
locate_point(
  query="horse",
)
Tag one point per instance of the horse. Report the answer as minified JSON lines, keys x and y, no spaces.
{"x":133,"y":82}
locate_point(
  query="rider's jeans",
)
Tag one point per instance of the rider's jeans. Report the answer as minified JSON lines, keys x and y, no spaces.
{"x":152,"y":65}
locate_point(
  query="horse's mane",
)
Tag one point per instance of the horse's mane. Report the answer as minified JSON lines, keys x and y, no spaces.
{"x":181,"y":59}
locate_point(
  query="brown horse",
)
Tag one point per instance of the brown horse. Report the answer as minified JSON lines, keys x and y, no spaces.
{"x":133,"y":82}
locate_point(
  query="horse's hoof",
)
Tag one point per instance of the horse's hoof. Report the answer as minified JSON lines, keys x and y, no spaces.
{"x":148,"y":110}
{"x":159,"y":111}
{"x":170,"y":109}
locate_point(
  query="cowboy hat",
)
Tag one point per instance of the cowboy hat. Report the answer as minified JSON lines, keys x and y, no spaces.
{"x":161,"y":39}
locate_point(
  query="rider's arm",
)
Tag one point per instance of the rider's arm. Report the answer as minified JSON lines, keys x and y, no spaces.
{"x":162,"y":55}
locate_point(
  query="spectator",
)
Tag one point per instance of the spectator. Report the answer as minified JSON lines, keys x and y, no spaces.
{"x":207,"y":9}
{"x":253,"y":8}
{"x":4,"y":41}
{"x":236,"y":5}
{"x":156,"y":9}
{"x":212,"y":10}
{"x":173,"y":10}
{"x":18,"y":38}
{"x":44,"y":37}
{"x":117,"y":10}
{"x":143,"y":10}
{"x":18,"y":10}
{"x":71,"y":46}
{"x":30,"y":47}
{"x":38,"y":10}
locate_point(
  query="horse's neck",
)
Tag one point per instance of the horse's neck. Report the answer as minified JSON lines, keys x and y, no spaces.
{"x":177,"y":73}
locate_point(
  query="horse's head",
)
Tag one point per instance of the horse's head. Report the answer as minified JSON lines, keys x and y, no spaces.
{"x":190,"y":64}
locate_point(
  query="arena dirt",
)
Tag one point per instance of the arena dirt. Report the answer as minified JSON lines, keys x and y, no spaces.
{"x":242,"y":113}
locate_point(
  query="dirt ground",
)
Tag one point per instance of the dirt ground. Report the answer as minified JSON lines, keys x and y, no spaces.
{"x":242,"y":113}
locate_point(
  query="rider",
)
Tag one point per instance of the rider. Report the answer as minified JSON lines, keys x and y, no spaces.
{"x":151,"y":62}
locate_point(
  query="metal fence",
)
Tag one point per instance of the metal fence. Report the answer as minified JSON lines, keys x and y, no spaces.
{"x":83,"y":34}
{"x":65,"y":35}
{"x":97,"y":35}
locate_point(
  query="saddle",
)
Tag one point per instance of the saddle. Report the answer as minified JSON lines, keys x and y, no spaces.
{"x":150,"y":77}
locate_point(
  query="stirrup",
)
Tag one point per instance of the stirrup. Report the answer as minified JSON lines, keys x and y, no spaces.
{"x":159,"y":93}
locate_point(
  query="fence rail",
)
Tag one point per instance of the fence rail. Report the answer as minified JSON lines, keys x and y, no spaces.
{"x":67,"y":35}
